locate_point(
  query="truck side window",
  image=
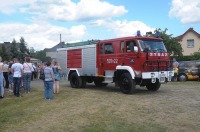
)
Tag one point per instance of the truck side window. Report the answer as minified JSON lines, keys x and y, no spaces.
{"x":109,"y":48}
{"x":130,"y":46}
{"x":122,"y":47}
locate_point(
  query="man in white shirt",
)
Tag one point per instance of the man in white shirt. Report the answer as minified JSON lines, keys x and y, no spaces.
{"x":1,"y":79}
{"x":17,"y":70}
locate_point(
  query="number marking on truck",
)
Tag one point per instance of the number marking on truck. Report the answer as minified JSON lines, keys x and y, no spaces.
{"x":109,"y":61}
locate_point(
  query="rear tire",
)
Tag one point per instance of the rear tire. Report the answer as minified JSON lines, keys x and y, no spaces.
{"x":153,"y":86}
{"x":75,"y":80}
{"x":127,"y":84}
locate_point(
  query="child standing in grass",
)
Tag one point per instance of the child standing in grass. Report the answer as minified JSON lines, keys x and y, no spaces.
{"x":175,"y":72}
{"x":48,"y":81}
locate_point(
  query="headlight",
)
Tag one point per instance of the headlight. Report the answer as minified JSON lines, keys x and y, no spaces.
{"x":152,"y":75}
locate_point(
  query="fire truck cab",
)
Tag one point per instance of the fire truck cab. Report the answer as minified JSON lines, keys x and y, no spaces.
{"x":127,"y":62}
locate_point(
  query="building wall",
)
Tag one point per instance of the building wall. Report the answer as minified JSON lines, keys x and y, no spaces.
{"x":53,"y":55}
{"x":187,"y":50}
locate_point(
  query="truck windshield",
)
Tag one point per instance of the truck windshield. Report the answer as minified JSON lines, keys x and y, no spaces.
{"x":152,"y":46}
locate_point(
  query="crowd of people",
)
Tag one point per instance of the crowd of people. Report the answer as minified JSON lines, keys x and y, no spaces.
{"x":14,"y":75}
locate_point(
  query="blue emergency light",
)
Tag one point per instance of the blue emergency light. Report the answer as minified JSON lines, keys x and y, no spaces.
{"x":157,"y":35}
{"x":138,"y":33}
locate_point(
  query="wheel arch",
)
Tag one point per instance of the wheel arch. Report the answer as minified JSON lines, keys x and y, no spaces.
{"x":125,"y":69}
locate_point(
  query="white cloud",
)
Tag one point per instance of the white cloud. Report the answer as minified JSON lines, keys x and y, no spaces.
{"x":41,"y":36}
{"x":186,"y":10}
{"x":10,"y":6}
{"x":125,"y":28}
{"x":65,"y":10}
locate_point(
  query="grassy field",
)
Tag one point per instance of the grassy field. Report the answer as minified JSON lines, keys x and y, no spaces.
{"x":175,"y":107}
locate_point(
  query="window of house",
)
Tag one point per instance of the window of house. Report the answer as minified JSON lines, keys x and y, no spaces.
{"x":109,"y":48}
{"x":190,"y":43}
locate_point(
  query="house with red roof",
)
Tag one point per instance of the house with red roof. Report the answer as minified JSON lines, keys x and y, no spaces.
{"x":190,"y":41}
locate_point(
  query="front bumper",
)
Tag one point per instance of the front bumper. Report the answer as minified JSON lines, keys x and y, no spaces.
{"x":162,"y":76}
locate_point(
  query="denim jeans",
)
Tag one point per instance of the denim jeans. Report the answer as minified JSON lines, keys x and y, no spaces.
{"x":16,"y":81}
{"x":48,"y":89}
{"x":27,"y":81}
{"x":1,"y":84}
{"x":10,"y":78}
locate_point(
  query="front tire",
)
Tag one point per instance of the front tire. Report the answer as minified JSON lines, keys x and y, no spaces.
{"x":127,"y":84}
{"x":153,"y":86}
{"x":182,"y":77}
{"x":75,"y":80}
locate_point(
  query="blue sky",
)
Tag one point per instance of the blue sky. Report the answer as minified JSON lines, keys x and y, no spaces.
{"x":41,"y":21}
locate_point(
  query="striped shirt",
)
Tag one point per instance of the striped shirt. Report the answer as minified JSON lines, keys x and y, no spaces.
{"x":47,"y":73}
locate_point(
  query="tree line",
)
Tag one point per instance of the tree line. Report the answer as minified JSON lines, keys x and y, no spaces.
{"x":21,"y":50}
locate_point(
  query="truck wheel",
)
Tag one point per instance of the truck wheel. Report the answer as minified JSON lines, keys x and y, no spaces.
{"x":127,"y":84}
{"x":153,"y":86}
{"x":182,"y":77}
{"x":98,"y":82}
{"x":75,"y":80}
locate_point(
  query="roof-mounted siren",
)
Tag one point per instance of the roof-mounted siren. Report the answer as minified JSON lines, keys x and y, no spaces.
{"x":157,"y":34}
{"x":138,"y":33}
{"x":148,"y":34}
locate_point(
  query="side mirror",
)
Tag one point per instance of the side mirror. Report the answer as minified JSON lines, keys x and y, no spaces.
{"x":135,"y":49}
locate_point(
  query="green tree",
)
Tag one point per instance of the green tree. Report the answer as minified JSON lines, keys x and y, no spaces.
{"x":14,"y":52}
{"x":23,"y":49}
{"x":40,"y":54}
{"x":172,"y":43}
{"x":32,"y":51}
{"x":4,"y":54}
{"x":196,"y":55}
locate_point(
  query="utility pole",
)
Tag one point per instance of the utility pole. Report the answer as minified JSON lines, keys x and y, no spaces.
{"x":60,"y":38}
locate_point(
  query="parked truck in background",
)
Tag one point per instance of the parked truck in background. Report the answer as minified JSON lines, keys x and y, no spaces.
{"x":127,"y":62}
{"x":189,"y":70}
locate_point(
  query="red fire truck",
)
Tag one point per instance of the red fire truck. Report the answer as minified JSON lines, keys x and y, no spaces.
{"x":127,"y":62}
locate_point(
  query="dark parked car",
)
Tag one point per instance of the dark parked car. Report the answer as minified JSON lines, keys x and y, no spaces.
{"x":189,"y":70}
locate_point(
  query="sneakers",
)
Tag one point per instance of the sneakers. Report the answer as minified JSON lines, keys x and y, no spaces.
{"x":1,"y":97}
